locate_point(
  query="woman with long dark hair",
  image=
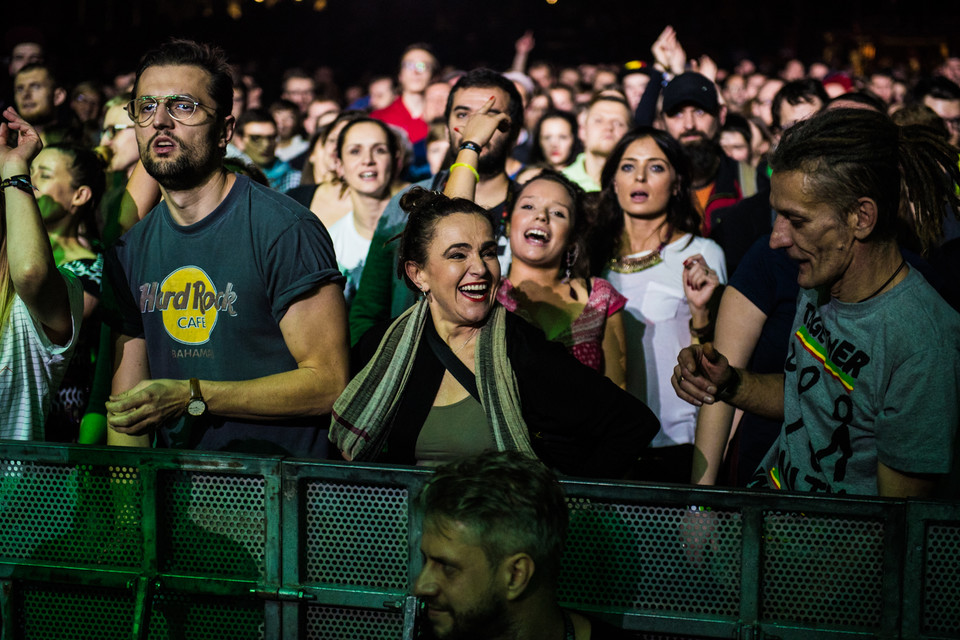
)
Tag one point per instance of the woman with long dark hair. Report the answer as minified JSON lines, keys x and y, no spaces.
{"x":645,"y":242}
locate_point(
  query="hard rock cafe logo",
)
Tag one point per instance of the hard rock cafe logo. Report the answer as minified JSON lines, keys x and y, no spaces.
{"x":189,"y":303}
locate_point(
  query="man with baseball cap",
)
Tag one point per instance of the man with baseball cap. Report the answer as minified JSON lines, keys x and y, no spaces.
{"x":691,"y":112}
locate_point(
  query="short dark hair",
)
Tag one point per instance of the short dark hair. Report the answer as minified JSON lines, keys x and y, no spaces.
{"x":195,"y":54}
{"x":254,"y":115}
{"x":510,"y":503}
{"x":421,"y":46}
{"x":606,"y":97}
{"x":936,"y":87}
{"x":284,"y":105}
{"x":607,"y":230}
{"x":739,"y":124}
{"x":33,"y":66}
{"x":865,"y":98}
{"x":795,"y":92}
{"x":852,"y":153}
{"x":296,"y":72}
{"x":424,"y":210}
{"x":484,"y":78}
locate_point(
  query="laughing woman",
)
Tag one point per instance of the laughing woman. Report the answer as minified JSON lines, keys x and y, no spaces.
{"x":457,"y":374}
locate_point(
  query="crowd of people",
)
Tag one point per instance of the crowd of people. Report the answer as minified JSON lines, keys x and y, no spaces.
{"x":663,"y":271}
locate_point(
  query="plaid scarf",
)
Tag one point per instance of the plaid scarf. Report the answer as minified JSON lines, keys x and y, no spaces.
{"x":364,"y":412}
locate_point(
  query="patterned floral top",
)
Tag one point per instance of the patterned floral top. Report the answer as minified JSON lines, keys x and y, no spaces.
{"x":583,"y":338}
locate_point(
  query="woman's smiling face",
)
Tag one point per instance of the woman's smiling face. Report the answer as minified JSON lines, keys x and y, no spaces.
{"x":541,"y":223}
{"x":461,"y":273}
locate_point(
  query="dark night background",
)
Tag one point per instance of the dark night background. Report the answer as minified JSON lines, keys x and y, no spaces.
{"x":98,"y":38}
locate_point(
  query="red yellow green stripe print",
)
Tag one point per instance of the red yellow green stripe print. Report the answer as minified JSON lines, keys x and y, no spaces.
{"x":818,"y":351}
{"x":773,"y":475}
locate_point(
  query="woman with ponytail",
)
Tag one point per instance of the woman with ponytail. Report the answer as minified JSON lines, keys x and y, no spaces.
{"x":69,"y":182}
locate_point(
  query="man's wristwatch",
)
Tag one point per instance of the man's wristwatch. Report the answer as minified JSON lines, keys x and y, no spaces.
{"x":727,"y":390}
{"x":196,"y":406}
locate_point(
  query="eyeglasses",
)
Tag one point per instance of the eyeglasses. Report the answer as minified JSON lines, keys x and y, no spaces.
{"x":417,"y":66}
{"x":110,"y":131}
{"x":181,"y":108}
{"x":259,"y":139}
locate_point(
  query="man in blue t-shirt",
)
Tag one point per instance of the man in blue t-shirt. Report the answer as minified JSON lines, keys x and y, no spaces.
{"x":228,"y":312}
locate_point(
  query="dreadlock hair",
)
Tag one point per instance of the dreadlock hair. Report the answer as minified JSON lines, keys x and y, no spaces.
{"x":848,"y":154}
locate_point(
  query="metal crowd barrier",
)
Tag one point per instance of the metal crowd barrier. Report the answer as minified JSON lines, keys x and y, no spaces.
{"x":114,"y":544}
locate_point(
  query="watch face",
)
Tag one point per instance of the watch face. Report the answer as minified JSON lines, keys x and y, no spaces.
{"x":196,"y":407}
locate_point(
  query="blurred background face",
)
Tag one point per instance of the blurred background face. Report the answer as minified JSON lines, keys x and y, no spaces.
{"x":316,"y":113}
{"x":23,"y":54}
{"x":633,"y":87}
{"x":85,"y":104}
{"x":436,"y":154}
{"x":260,"y":142}
{"x":435,"y":101}
{"x":416,"y":70}
{"x":605,"y":124}
{"x":119,"y":136}
{"x":535,"y":109}
{"x":286,"y":122}
{"x":556,"y":140}
{"x":35,"y":95}
{"x":381,"y":93}
{"x":735,"y":146}
{"x":299,"y":91}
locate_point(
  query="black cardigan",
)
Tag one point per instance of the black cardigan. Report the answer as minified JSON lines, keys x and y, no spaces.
{"x":580,"y":422}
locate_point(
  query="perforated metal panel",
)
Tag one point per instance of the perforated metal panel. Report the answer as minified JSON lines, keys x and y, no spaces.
{"x":651,"y":558}
{"x":357,"y":534}
{"x":212,"y":524}
{"x":199,"y":618}
{"x":81,"y":515}
{"x":78,"y":525}
{"x":822,"y":570}
{"x":52,"y":612}
{"x":331,"y":623}
{"x":941,"y":602}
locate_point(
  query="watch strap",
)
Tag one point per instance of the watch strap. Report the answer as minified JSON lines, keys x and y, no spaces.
{"x":195,"y":389}
{"x":472,"y":146}
{"x":727,"y":390}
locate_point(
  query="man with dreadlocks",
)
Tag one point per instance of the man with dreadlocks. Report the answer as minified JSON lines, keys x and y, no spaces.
{"x":869,"y":397}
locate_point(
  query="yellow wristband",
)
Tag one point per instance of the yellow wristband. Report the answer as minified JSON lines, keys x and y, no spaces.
{"x":464,"y":164}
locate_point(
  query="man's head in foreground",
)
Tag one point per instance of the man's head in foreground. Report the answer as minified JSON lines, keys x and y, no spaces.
{"x":493,"y":533}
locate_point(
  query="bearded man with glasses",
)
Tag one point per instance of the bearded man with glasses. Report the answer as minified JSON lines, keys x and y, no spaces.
{"x":228,"y":314}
